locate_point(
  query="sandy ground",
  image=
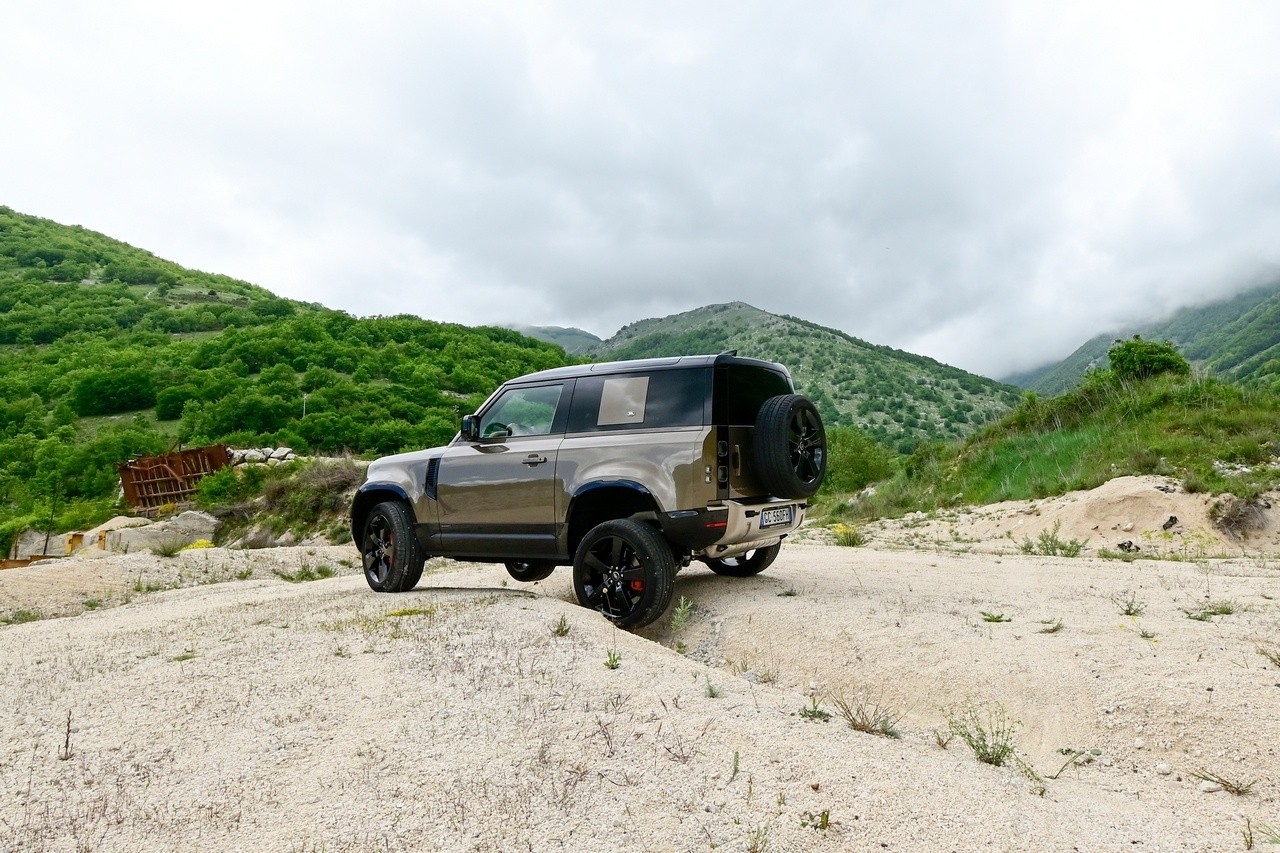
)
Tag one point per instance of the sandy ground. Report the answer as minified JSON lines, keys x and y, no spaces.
{"x":242,"y":711}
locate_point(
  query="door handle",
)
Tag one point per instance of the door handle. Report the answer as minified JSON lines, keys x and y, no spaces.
{"x":534,"y":459}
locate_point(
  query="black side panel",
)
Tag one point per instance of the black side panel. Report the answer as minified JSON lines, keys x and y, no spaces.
{"x":503,"y":543}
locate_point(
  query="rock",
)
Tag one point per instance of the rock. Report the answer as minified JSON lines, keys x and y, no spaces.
{"x":1139,"y":742}
{"x":254,"y":456}
{"x":1127,"y":526}
{"x":1173,"y":519}
{"x":1207,"y":787}
{"x":1129,"y":547}
{"x":183,"y":529}
{"x":1163,"y":769}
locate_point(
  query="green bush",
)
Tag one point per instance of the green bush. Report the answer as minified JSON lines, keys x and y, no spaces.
{"x":230,"y":486}
{"x":1136,"y":359}
{"x":854,"y":460}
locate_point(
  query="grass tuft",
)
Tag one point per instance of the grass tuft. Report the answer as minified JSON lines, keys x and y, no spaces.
{"x":307,"y":572}
{"x":1048,"y":544}
{"x":1127,"y":601}
{"x":681,"y":614}
{"x":168,"y":548}
{"x":988,"y":732}
{"x":814,"y":711}
{"x":1231,"y":786}
{"x":20,"y":616}
{"x":848,"y":537}
{"x":871,"y":716}
{"x":1214,"y":608}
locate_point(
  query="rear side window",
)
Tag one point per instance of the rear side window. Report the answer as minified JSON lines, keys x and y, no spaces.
{"x":741,"y":390}
{"x":665,"y":398}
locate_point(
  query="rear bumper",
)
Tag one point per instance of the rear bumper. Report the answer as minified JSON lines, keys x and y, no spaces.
{"x":745,"y":529}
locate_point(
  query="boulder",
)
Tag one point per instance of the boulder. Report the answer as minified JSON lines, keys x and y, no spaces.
{"x":183,"y":529}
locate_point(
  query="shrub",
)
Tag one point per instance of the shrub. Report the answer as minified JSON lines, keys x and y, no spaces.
{"x":854,"y":460}
{"x":1136,"y":359}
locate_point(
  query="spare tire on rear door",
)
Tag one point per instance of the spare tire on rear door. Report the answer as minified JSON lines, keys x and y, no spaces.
{"x":790,"y":446}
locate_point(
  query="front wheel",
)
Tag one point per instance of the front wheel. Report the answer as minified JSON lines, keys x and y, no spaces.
{"x":392,"y":559}
{"x":625,"y":570}
{"x":528,"y":571}
{"x":744,"y":565}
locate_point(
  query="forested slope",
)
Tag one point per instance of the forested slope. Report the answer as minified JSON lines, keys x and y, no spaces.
{"x":899,"y":398}
{"x":107,"y":352}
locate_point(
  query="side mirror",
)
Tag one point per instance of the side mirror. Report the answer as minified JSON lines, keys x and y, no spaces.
{"x":470,"y":428}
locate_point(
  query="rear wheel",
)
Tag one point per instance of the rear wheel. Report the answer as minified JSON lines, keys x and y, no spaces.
{"x":528,"y":571}
{"x":625,"y":570}
{"x":392,"y":559}
{"x":744,"y":565}
{"x":790,"y":446}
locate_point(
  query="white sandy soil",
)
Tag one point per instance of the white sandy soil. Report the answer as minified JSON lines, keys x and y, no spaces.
{"x":246,"y":712}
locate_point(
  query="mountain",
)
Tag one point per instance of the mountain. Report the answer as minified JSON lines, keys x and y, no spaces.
{"x":108,"y":352}
{"x":1236,"y":339}
{"x":897,"y":397}
{"x":576,"y":341}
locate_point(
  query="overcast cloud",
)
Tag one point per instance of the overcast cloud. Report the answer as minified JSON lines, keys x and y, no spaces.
{"x":988,"y":184}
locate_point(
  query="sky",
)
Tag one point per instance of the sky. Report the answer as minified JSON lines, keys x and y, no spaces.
{"x":986,"y":183}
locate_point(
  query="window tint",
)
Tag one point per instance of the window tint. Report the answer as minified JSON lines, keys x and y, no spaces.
{"x":742,"y":390}
{"x":665,"y":398}
{"x":522,"y":411}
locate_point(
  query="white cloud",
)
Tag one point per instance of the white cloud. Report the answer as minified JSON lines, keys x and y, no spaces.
{"x":985,"y":183}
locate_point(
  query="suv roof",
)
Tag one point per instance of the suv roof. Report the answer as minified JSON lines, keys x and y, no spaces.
{"x":724,"y":358}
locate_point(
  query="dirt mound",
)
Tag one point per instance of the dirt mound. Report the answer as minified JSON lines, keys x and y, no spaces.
{"x":1152,"y":514}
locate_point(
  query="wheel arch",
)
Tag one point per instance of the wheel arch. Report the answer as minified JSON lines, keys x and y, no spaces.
{"x":606,"y":500}
{"x":367,"y":497}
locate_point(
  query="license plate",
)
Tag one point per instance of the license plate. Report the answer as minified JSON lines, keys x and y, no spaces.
{"x":777,"y":516}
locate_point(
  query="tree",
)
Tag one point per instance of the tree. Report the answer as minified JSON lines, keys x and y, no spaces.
{"x":1136,"y":359}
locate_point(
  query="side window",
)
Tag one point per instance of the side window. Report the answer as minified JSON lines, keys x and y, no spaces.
{"x":666,"y":398}
{"x":622,"y":400}
{"x":522,"y":411}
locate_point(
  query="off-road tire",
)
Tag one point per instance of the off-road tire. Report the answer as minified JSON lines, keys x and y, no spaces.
{"x":750,"y":563}
{"x":790,"y":446}
{"x":528,"y":571}
{"x":612,"y":560}
{"x":389,"y":549}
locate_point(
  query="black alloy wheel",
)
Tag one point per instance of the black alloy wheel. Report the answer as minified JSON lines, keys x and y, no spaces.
{"x":790,"y":446}
{"x":392,"y":559}
{"x":625,"y":570}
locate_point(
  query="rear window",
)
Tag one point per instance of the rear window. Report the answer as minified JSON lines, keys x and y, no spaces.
{"x":665,"y":398}
{"x":741,"y":390}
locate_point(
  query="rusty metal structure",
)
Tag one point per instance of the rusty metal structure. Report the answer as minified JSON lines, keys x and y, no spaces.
{"x":151,"y":482}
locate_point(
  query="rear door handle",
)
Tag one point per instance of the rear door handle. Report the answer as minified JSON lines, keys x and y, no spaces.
{"x":534,"y":459}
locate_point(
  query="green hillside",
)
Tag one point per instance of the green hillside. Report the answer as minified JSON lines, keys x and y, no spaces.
{"x":1148,"y":415}
{"x":1236,"y":339}
{"x":898,"y":398}
{"x":107,"y":352}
